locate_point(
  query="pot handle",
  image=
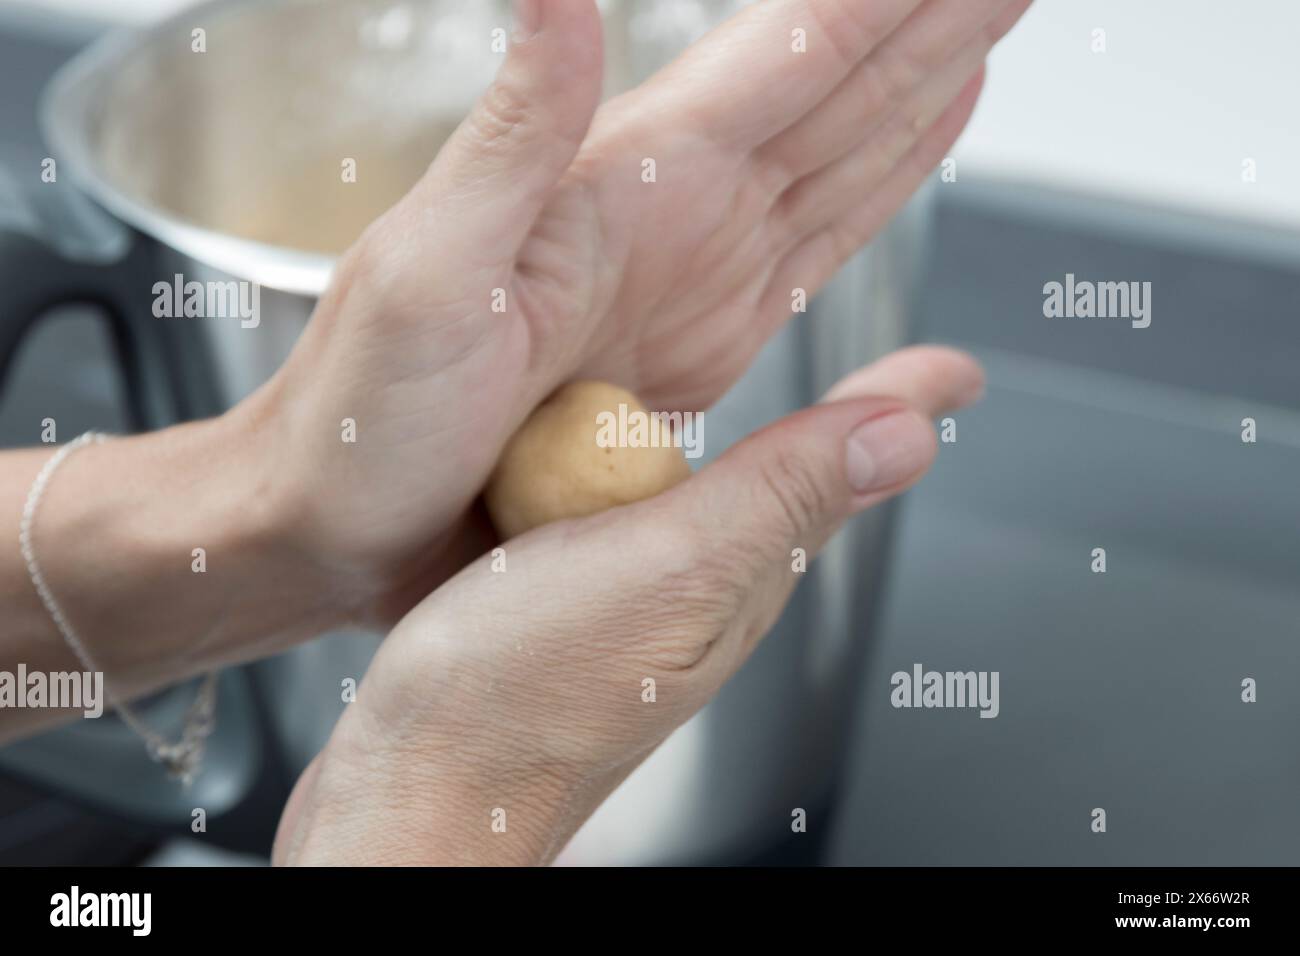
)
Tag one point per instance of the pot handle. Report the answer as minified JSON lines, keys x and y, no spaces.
{"x":58,"y":248}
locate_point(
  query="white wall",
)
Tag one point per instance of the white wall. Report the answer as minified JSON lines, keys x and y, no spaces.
{"x":1186,"y":90}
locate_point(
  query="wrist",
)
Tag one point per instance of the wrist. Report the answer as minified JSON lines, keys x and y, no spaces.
{"x":437,"y":763}
{"x":167,"y":555}
{"x":280,"y":520}
{"x":377,"y":796}
{"x":320,"y":503}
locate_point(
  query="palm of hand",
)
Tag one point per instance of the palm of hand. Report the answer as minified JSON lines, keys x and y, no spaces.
{"x":656,"y":286}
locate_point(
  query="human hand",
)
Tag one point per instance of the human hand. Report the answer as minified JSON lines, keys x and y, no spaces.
{"x":772,"y":169}
{"x":522,"y":691}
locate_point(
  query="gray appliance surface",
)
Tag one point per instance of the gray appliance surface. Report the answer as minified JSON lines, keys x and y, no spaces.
{"x":1122,"y":690}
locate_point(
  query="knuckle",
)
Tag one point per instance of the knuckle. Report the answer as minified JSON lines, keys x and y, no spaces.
{"x":695,"y":596}
{"x":503,"y":112}
{"x":792,"y":484}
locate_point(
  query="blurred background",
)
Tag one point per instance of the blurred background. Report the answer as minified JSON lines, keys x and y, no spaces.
{"x":1169,"y":156}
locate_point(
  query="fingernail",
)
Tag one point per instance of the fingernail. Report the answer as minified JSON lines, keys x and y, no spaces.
{"x":887,"y":451}
{"x":528,"y":20}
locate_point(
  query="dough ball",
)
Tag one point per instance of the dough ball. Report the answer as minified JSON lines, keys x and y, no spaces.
{"x":554,"y":467}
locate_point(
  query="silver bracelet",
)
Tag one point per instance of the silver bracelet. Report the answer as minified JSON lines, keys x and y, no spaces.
{"x":181,"y":759}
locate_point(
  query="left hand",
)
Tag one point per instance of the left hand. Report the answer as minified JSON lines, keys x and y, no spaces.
{"x":773,"y":167}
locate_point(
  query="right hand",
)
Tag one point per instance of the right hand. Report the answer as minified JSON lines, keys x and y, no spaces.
{"x":522,"y":690}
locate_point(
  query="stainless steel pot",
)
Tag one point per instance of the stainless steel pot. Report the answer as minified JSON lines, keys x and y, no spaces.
{"x":225,"y":164}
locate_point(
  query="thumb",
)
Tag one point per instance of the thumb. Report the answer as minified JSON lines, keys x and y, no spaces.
{"x":870,"y":438}
{"x":524,"y":131}
{"x":792,"y":484}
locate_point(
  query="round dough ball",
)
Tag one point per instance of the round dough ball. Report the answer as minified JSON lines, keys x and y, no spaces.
{"x":554,"y":467}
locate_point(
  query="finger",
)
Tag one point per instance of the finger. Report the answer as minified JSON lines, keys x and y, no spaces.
{"x":814,"y":260}
{"x":497,"y":170}
{"x":745,"y":82}
{"x":932,"y":379}
{"x":782,"y":493}
{"x":819,"y":199}
{"x":934,"y":36}
{"x":791,"y":484}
